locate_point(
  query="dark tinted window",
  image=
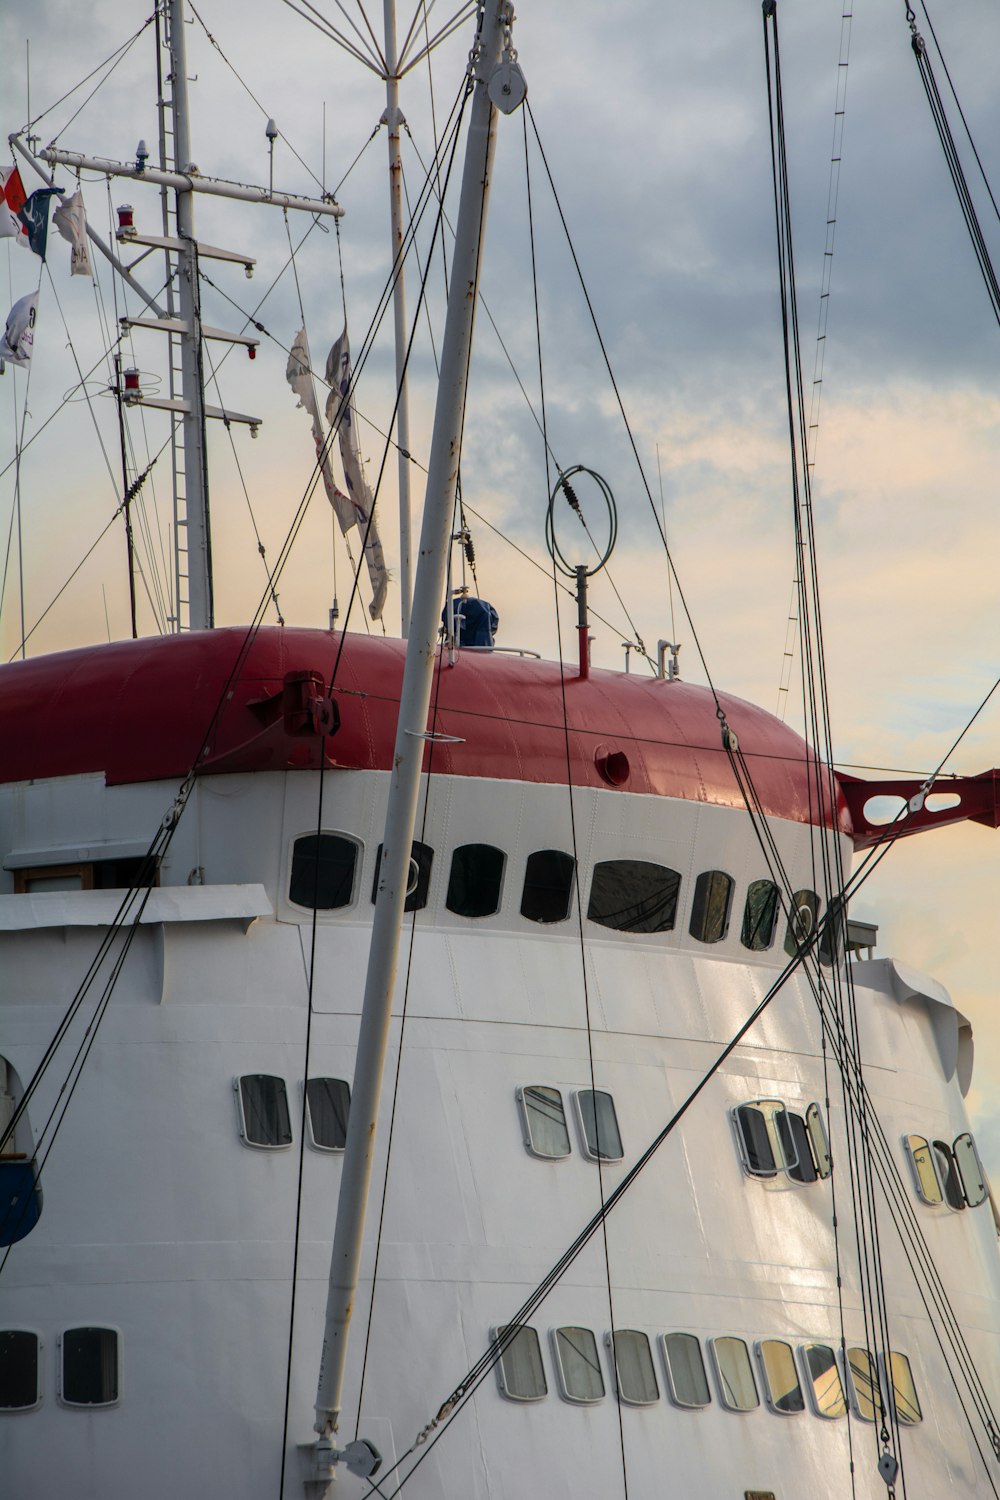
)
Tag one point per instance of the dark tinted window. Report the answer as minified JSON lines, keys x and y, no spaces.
{"x":805,"y":909}
{"x":90,"y":1366}
{"x":600,"y":1125}
{"x":18,"y":1369}
{"x":418,"y":879}
{"x":544,"y":1121}
{"x":948,"y":1172}
{"x":329,"y":1101}
{"x":632,"y":895}
{"x":264,"y":1110}
{"x":781,"y":1378}
{"x":548,"y":886}
{"x":475,"y":880}
{"x":323,"y":871}
{"x":759,"y":915}
{"x":794,"y":1140}
{"x":20,"y":1200}
{"x":637,"y":1383}
{"x":755,"y":1142}
{"x":713,"y":894}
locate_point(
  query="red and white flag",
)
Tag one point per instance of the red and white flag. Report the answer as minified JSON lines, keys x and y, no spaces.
{"x":12,"y":201}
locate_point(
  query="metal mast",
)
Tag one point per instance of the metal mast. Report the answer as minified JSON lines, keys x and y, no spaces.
{"x":411,"y":731}
{"x":393,"y":118}
{"x":194,"y":522}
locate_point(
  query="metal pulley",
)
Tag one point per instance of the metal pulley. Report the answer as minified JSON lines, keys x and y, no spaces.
{"x":507,"y":87}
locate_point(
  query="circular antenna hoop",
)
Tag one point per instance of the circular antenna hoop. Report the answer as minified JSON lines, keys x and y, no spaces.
{"x":564,"y":486}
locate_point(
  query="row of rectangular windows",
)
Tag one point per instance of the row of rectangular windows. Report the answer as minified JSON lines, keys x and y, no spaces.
{"x":580,"y":1378}
{"x":626,"y":895}
{"x":265,"y":1119}
{"x":89,"y":1367}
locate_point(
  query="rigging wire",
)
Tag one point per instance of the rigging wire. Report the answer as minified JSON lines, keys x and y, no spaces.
{"x":114,"y":58}
{"x":602,"y":1199}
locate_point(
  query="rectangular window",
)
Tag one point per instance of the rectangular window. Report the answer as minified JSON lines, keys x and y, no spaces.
{"x":687,"y":1382}
{"x":781,"y":1378}
{"x":904,"y":1391}
{"x":819,"y":1141}
{"x":760,"y":914}
{"x":599,"y":1124}
{"x":520,"y":1372}
{"x":825,"y":1387}
{"x":713,"y":895}
{"x":323,"y":867}
{"x":263,"y":1108}
{"x":632,"y":895}
{"x":548,"y":885}
{"x":91,"y":1360}
{"x":924,"y":1170}
{"x":19,"y":1370}
{"x":634,"y":1370}
{"x":328,"y":1102}
{"x":760,"y":1149}
{"x":862,"y":1377}
{"x":544,"y":1120}
{"x":737,"y":1386}
{"x":578,"y":1365}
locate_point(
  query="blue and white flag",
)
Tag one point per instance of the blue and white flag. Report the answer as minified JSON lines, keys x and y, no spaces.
{"x":34,"y":215}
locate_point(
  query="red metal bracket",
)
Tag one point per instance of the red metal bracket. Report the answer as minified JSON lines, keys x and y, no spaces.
{"x":305,"y":707}
{"x":978,"y":802}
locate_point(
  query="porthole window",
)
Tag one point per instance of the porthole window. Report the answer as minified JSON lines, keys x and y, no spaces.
{"x":632,"y":895}
{"x":544,"y":1121}
{"x":476,"y":880}
{"x":578,"y":1365}
{"x":263,"y":1109}
{"x":636,"y":1377}
{"x":599,"y":1125}
{"x":713,"y":896}
{"x":418,"y":876}
{"x":328,"y":1103}
{"x":924,"y":1170}
{"x":904,"y":1391}
{"x":805,"y":910}
{"x":970,"y":1170}
{"x":520,"y":1372}
{"x":781,"y":1379}
{"x":760,"y":915}
{"x":737,"y":1387}
{"x":951,"y":1182}
{"x":323,"y":867}
{"x":687,"y":1383}
{"x":20,"y":1369}
{"x":90,"y":1367}
{"x":862,"y":1377}
{"x":548,"y":886}
{"x":826,"y":1390}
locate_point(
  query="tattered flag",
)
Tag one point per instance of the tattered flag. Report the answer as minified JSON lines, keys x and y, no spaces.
{"x":34,"y":215}
{"x":19,"y":334}
{"x":342,"y":418}
{"x":12,"y":200}
{"x":299,"y":374}
{"x":70,"y":218}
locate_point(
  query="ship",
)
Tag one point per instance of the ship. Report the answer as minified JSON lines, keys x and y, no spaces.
{"x":431,"y":1068}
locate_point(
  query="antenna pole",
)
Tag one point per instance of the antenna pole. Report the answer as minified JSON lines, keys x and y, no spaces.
{"x":393,"y":119}
{"x":195,"y":517}
{"x":411,"y":729}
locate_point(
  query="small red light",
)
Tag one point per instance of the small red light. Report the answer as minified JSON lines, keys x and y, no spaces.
{"x":252,"y":350}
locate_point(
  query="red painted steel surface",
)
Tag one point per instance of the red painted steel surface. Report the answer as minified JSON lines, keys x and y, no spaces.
{"x":139,"y":711}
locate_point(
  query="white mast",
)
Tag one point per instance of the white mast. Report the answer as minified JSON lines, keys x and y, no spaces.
{"x":195,"y":519}
{"x":393,"y":117}
{"x":411,"y":730}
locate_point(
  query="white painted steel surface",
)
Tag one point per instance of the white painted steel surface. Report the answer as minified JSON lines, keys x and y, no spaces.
{"x":158,"y":1220}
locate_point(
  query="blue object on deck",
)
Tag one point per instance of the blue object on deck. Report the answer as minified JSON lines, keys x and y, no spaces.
{"x":20,"y":1201}
{"x":476,"y":622}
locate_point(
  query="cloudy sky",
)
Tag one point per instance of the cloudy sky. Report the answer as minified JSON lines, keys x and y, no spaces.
{"x":653,"y":120}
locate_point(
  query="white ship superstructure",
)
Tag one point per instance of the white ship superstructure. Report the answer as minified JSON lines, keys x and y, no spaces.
{"x":538,"y":1064}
